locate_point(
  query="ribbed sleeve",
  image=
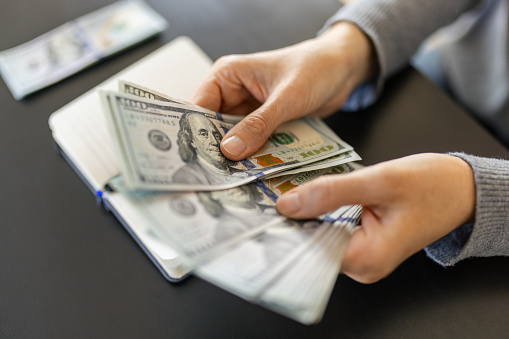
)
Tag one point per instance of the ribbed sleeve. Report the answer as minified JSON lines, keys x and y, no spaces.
{"x":398,"y":27}
{"x":489,"y":236}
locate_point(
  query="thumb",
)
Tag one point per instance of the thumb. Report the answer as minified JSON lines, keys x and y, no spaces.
{"x":323,"y":195}
{"x":252,"y":132}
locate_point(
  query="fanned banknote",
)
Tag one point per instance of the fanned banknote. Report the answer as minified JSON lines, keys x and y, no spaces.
{"x":200,"y":225}
{"x":128,"y":87}
{"x":343,"y":158}
{"x":234,"y":237}
{"x":255,"y":269}
{"x":303,"y":291}
{"x":76,"y":45}
{"x":175,"y":147}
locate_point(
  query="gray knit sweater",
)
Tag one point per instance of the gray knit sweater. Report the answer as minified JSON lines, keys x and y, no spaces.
{"x":477,"y":68}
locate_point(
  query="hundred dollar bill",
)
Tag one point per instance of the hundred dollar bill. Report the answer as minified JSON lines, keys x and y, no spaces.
{"x":331,"y":162}
{"x":77,"y":44}
{"x":128,"y":87}
{"x":306,"y":255}
{"x":145,"y":92}
{"x":201,"y":225}
{"x":284,"y":183}
{"x":175,"y":147}
{"x":303,"y":291}
{"x":250,"y":266}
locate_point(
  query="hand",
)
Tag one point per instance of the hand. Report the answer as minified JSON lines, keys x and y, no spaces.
{"x":311,"y":78}
{"x":408,"y":203}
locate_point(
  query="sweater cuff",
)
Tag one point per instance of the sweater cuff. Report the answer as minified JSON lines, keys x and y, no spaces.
{"x":489,"y":235}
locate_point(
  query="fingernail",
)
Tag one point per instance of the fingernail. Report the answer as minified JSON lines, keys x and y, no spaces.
{"x":234,"y":145}
{"x":289,"y":203}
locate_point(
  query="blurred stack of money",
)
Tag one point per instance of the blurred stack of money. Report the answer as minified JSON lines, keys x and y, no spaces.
{"x":220,"y":215}
{"x":76,"y":45}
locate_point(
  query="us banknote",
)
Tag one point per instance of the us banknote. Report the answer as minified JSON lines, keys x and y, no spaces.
{"x":201,"y":225}
{"x":292,"y":266}
{"x":251,"y":265}
{"x":343,"y":158}
{"x":303,"y":290}
{"x":132,"y":88}
{"x":305,"y":255}
{"x":173,"y":146}
{"x":77,"y":44}
{"x":235,"y":239}
{"x":285,"y":265}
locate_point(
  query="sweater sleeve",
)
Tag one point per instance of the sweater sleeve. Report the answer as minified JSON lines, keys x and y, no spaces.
{"x":489,"y":235}
{"x":396,"y":29}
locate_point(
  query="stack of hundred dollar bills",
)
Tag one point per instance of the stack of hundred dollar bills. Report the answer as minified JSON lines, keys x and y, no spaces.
{"x":77,"y":44}
{"x":220,"y":215}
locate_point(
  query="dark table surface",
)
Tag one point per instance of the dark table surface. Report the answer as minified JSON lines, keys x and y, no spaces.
{"x":69,"y":270}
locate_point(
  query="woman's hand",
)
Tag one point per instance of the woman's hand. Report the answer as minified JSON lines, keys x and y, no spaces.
{"x":311,"y":78}
{"x":408,"y":203}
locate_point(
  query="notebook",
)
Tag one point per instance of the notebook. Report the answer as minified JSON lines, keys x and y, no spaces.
{"x":80,"y":132}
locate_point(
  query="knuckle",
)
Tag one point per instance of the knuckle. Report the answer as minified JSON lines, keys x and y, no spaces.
{"x":257,"y":125}
{"x":318,"y":194}
{"x":227,"y":61}
{"x":224,"y":65}
{"x":367,"y":273}
{"x":369,"y":278}
{"x":368,"y":265}
{"x":324,"y":186}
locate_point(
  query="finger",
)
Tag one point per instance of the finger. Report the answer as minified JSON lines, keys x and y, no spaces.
{"x":208,"y":94}
{"x":325,"y":194}
{"x":365,"y":259}
{"x":247,"y":136}
{"x":254,"y":130}
{"x":244,"y":108}
{"x":372,"y":254}
{"x":225,"y":97}
{"x":227,"y":87}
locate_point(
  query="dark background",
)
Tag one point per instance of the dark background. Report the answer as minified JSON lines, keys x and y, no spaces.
{"x":69,"y":269}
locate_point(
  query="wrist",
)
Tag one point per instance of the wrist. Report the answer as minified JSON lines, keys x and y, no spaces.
{"x":354,"y":49}
{"x":465,"y":175}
